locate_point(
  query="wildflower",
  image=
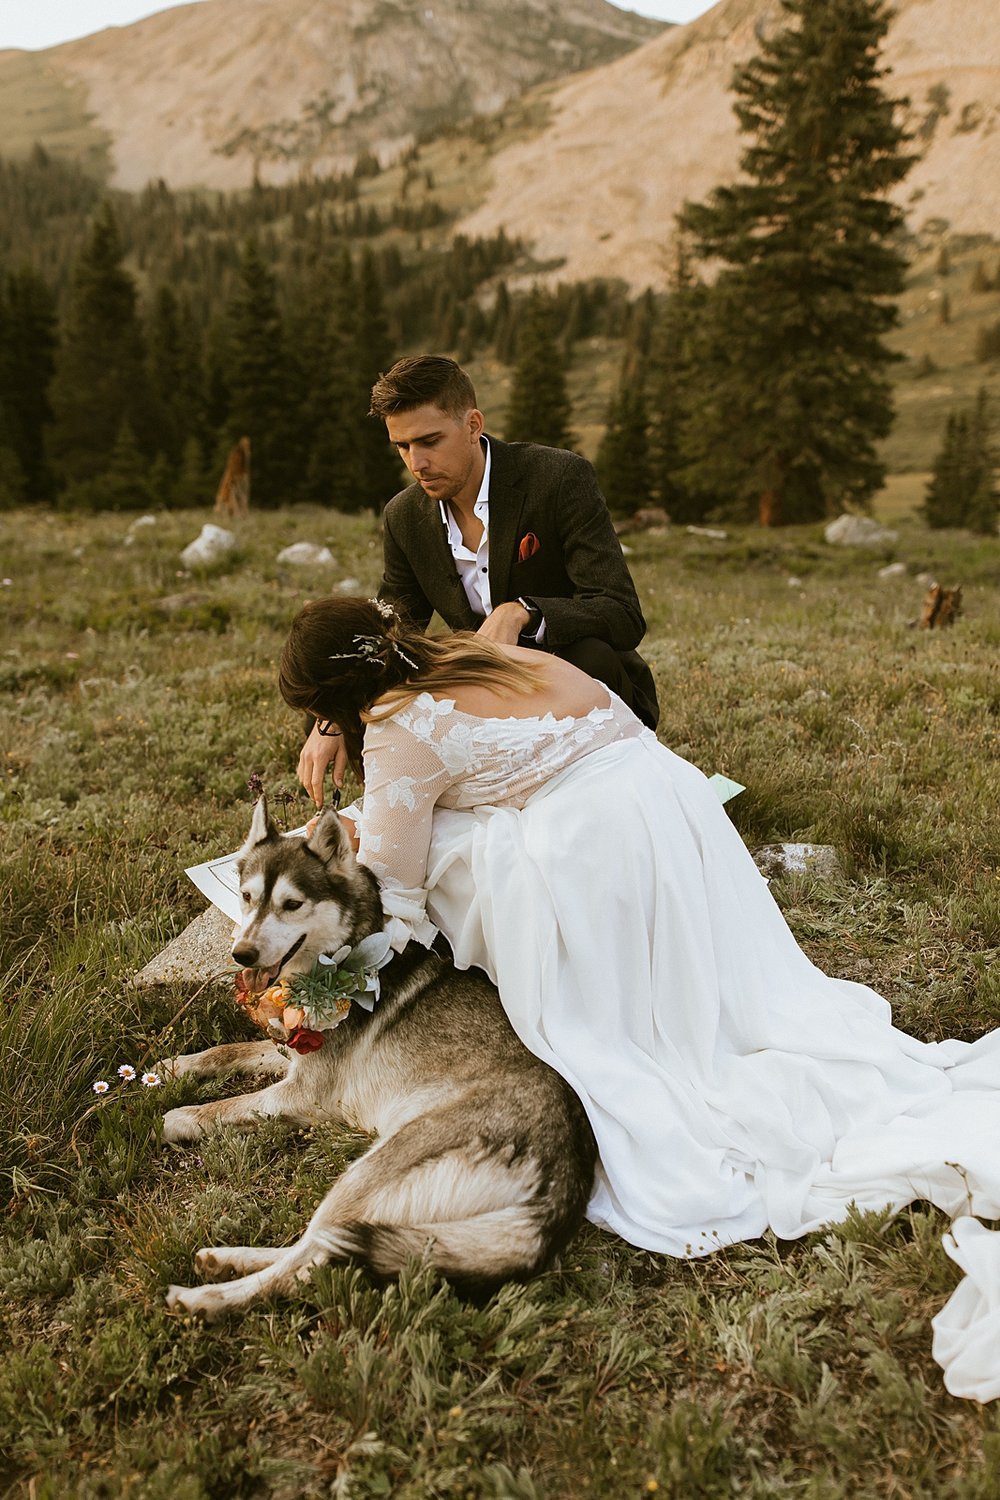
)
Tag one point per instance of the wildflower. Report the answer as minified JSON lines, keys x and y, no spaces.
{"x":100,"y":1087}
{"x":126,"y":1072}
{"x":151,"y":1080}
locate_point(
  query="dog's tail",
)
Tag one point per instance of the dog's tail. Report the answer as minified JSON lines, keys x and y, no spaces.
{"x":478,"y":1253}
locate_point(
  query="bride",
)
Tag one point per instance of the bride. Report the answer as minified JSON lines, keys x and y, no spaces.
{"x":517,"y":806}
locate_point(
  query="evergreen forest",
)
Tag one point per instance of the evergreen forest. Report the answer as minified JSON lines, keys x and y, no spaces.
{"x":143,"y":335}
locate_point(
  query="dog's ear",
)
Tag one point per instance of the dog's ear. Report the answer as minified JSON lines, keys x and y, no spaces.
{"x":262,"y":829}
{"x":328,"y":840}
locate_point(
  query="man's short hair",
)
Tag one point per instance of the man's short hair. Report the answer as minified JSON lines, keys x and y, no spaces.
{"x":423,"y":380}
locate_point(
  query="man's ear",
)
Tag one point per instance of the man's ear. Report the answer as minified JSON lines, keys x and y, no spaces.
{"x":328,"y":840}
{"x":262,"y":829}
{"x":477,"y":424}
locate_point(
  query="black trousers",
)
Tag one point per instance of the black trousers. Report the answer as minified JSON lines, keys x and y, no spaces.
{"x":624,"y":672}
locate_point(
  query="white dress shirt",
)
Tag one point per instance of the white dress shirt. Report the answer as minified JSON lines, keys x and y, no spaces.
{"x":473,"y":567}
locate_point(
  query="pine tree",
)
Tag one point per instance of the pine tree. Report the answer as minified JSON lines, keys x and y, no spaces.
{"x":946,"y":500}
{"x":984,"y":501}
{"x":261,"y":398}
{"x":380,"y":475}
{"x":126,"y":484}
{"x":962,"y":489}
{"x":501,"y":325}
{"x":333,"y":404}
{"x":100,"y":379}
{"x":670,"y":374}
{"x":623,"y":455}
{"x":175,"y":367}
{"x":27,"y":362}
{"x":539,"y":408}
{"x":193,"y":486}
{"x":792,"y":391}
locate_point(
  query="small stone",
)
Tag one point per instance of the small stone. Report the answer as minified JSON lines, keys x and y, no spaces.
{"x":797,"y":859}
{"x":859,"y":531}
{"x":709,"y":531}
{"x":348,"y":586}
{"x":893,"y":570}
{"x":793,"y":582}
{"x":212,"y":543}
{"x":139,"y":524}
{"x":307,"y":554}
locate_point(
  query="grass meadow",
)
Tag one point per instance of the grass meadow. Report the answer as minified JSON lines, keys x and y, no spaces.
{"x":135,"y":702}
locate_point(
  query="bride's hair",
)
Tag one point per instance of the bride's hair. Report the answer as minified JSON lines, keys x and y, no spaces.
{"x":351,"y":661}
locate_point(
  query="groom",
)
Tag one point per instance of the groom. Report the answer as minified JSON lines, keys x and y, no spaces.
{"x":511,"y":539}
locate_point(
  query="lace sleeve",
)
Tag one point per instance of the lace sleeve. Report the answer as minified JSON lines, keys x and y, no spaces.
{"x":404,"y":777}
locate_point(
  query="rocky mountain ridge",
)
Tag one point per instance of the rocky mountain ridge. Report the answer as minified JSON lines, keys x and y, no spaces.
{"x":626,"y":145}
{"x":230,"y":91}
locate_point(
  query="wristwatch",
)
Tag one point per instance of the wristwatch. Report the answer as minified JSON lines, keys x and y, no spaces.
{"x":535,"y":616}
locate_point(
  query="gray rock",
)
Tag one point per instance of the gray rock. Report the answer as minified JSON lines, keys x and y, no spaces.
{"x":893,"y":570}
{"x":202,"y":951}
{"x":307,"y":554}
{"x":714,"y":532}
{"x":859,"y":531}
{"x":138,"y":525}
{"x":211,"y":543}
{"x":797,"y":859}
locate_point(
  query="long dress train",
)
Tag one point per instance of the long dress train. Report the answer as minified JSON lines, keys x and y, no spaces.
{"x":732,"y":1086}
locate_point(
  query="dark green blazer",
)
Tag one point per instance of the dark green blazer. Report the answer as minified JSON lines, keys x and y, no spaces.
{"x":577,"y":575}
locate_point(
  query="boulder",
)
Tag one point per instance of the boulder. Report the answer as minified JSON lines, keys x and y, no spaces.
{"x":202,"y":951}
{"x":859,"y":531}
{"x":213,"y":543}
{"x":306,"y":555}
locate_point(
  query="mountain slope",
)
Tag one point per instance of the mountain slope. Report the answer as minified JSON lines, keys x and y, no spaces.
{"x":213,"y":94}
{"x":628,"y":143}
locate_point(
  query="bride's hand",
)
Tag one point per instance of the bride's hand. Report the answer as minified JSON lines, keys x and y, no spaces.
{"x":320,"y":752}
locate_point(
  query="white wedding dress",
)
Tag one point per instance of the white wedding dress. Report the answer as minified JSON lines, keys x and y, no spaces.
{"x":731,"y":1085}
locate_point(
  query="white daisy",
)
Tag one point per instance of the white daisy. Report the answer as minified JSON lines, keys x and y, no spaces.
{"x":126,"y":1072}
{"x":151,"y":1080}
{"x":101,"y":1087}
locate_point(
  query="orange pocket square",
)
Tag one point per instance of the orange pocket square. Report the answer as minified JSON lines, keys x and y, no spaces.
{"x":529,"y":546}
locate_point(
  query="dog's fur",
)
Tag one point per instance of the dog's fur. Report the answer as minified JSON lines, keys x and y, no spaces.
{"x":484,"y":1158}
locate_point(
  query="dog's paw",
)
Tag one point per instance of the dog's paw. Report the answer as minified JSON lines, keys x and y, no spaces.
{"x":210,"y":1262}
{"x":219,"y":1261}
{"x":183,"y":1124}
{"x":206,"y":1302}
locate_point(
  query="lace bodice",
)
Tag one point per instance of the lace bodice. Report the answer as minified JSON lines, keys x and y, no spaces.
{"x":433,"y":754}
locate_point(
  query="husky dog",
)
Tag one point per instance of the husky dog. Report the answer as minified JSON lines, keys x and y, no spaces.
{"x":484,"y":1159}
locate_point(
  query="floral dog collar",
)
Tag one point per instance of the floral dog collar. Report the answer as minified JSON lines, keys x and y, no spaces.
{"x":297,"y":1011}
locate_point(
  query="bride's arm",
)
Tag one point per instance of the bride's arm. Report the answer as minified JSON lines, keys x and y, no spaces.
{"x":404,"y":777}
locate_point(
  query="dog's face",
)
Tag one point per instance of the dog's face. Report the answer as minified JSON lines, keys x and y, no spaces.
{"x":299,"y":896}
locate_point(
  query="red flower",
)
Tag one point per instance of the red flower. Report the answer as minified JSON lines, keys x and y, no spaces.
{"x":303,"y":1040}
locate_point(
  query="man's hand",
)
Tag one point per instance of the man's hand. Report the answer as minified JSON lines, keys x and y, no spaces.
{"x":318,"y":752}
{"x":505,"y":624}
